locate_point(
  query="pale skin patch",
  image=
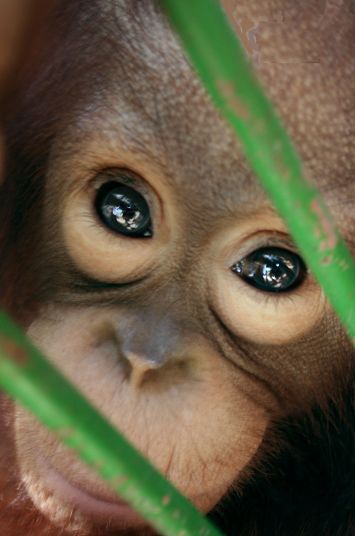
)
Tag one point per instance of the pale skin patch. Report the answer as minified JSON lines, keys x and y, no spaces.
{"x":260,"y":317}
{"x":92,"y":248}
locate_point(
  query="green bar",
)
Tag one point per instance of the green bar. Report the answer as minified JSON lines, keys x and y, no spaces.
{"x":34,"y":382}
{"x":226,"y":73}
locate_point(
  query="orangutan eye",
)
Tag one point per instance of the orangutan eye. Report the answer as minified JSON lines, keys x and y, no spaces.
{"x":124,"y":210}
{"x":271,"y":269}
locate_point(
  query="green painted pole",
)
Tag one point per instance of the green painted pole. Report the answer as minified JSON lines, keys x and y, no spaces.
{"x":27,"y":376}
{"x":219,"y":59}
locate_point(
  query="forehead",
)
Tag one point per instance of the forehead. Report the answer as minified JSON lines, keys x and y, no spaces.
{"x":142,"y":98}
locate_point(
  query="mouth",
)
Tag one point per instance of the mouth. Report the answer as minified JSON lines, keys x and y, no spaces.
{"x":116,"y":514}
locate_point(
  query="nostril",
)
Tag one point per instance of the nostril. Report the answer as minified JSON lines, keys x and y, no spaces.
{"x":149,"y":350}
{"x":136,"y":364}
{"x":139,"y":368}
{"x":159,"y":376}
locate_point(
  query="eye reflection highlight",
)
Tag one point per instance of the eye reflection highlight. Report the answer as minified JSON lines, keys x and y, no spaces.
{"x":271,"y":269}
{"x":124,"y":210}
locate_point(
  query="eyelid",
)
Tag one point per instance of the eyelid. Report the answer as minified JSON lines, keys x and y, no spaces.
{"x":261,"y":240}
{"x":121,"y":176}
{"x":284,"y":250}
{"x":275,"y":299}
{"x":276,"y":240}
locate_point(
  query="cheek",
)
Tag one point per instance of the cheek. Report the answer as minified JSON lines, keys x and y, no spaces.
{"x":200,"y":428}
{"x":266,"y":318}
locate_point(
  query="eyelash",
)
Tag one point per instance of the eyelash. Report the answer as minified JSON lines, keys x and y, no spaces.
{"x":275,"y":299}
{"x":89,"y":217}
{"x":276,"y":241}
{"x":121,"y":176}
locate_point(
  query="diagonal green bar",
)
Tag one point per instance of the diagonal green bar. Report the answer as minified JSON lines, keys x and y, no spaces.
{"x":27,"y":376}
{"x":223,"y":67}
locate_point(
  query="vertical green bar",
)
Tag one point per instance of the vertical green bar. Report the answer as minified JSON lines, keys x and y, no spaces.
{"x":221,"y":63}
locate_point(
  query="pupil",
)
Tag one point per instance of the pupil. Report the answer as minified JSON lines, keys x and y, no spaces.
{"x":124,"y":210}
{"x":277,"y":273}
{"x":271,"y":269}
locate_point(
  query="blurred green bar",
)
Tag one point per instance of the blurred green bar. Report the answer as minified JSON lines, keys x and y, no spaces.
{"x":27,"y":376}
{"x":220,"y":61}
